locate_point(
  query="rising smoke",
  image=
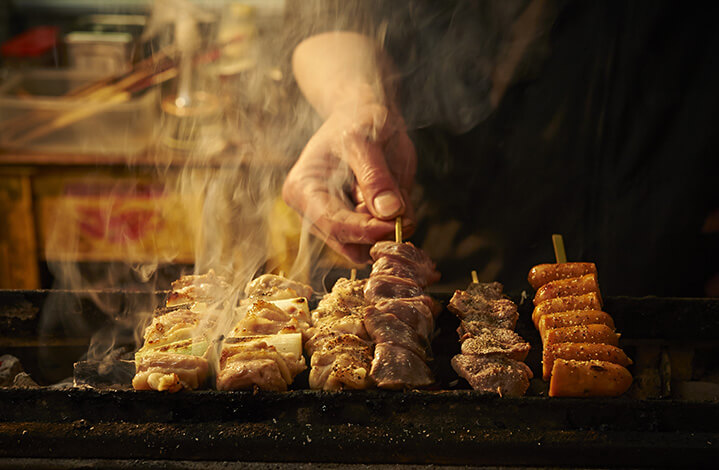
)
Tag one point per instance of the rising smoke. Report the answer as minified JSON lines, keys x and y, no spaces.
{"x":223,"y":162}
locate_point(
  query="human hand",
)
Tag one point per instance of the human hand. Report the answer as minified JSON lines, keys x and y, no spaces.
{"x":354,"y":177}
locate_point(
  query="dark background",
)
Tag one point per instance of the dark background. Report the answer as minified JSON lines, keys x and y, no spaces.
{"x":607,"y":135}
{"x":610,"y":141}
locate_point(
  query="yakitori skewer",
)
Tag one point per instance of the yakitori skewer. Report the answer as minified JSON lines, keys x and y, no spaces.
{"x":559,"y":252}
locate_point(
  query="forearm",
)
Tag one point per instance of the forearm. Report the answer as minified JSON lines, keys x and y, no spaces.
{"x":336,"y":68}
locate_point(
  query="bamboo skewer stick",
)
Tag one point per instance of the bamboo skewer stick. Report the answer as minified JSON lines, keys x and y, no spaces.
{"x":353,"y":274}
{"x":71,"y":117}
{"x":559,"y":252}
{"x":475,"y":279}
{"x":398,"y":229}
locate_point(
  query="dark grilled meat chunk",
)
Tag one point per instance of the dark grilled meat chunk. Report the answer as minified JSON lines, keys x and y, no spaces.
{"x":412,"y":311}
{"x":500,"y":313}
{"x":390,"y":287}
{"x":397,"y":267}
{"x":498,"y":341}
{"x":408,"y":254}
{"x":397,"y":368}
{"x":487,"y":290}
{"x":387,"y":328}
{"x":493,"y":374}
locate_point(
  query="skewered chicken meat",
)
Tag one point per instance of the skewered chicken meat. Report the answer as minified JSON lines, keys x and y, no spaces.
{"x":401,"y":320}
{"x":208,"y":288}
{"x":178,"y":342}
{"x":340,"y":347}
{"x":493,"y":374}
{"x":277,"y":287}
{"x":491,"y":352}
{"x":264,"y":348}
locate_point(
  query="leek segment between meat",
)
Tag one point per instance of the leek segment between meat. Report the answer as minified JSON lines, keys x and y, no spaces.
{"x":187,"y":347}
{"x":284,"y":343}
{"x":296,"y":307}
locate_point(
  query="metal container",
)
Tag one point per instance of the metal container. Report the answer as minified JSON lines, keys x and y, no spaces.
{"x":34,"y":115}
{"x":99,"y":52}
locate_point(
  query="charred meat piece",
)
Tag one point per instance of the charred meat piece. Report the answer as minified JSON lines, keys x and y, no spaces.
{"x":175,"y":354}
{"x":382,"y":287}
{"x":392,"y":266}
{"x":486,"y":290}
{"x":172,"y":367}
{"x":493,"y":374}
{"x":491,"y":350}
{"x":347,"y":293}
{"x":266,"y":362}
{"x":208,"y":288}
{"x":339,"y":321}
{"x":384,"y":327}
{"x":413,"y":311}
{"x":499,"y":313}
{"x":339,"y":346}
{"x":498,"y":341}
{"x":277,"y":287}
{"x":409,"y":255}
{"x":397,"y":368}
{"x":340,"y":361}
{"x":401,"y":323}
{"x":179,"y":323}
{"x":267,"y":318}
{"x":264,"y":349}
{"x":342,"y":310}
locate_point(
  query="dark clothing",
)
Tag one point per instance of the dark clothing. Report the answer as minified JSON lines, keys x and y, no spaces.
{"x":606,"y":135}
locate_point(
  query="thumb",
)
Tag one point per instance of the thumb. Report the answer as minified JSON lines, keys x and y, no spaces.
{"x":378,"y":186}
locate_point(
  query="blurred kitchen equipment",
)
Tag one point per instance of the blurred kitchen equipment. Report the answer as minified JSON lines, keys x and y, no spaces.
{"x":38,"y":111}
{"x":99,"y":52}
{"x":131,"y":24}
{"x":238,"y":31}
{"x":36,"y":47}
{"x":192,"y":125}
{"x":191,"y":121}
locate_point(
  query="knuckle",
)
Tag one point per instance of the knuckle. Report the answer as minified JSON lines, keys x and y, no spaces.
{"x":374,"y":178}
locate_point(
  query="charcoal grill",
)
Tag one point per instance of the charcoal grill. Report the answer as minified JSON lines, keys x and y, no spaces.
{"x":449,"y":425}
